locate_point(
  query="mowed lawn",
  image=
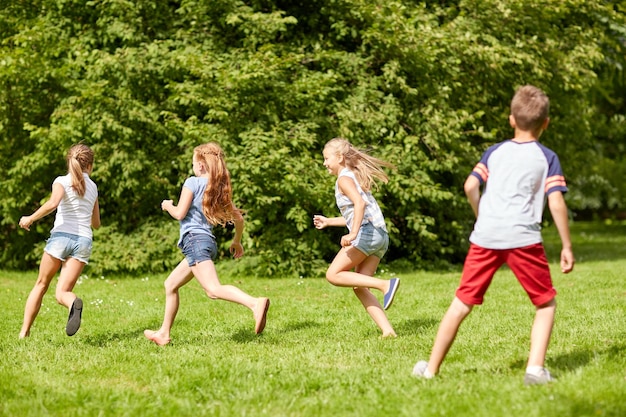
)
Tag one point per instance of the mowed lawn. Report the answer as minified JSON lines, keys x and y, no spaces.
{"x":320,"y":354}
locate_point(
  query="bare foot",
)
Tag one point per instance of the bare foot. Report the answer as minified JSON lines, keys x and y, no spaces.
{"x":260,"y":314}
{"x":156,"y":337}
{"x":390,"y":335}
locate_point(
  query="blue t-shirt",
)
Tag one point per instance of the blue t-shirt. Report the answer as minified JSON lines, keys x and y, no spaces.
{"x":517,"y":179}
{"x":195,"y":220}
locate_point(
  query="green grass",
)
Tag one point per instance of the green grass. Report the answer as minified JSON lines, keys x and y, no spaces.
{"x":320,"y":354}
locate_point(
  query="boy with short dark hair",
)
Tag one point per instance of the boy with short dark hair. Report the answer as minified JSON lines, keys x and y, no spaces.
{"x":517,"y":174}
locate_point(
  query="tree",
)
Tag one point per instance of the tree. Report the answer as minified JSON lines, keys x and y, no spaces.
{"x":425,"y":86}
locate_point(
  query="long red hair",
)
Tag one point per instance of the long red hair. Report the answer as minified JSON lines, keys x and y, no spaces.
{"x":217,"y":202}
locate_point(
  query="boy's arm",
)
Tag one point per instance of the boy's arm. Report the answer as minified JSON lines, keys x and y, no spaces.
{"x":558,"y":209}
{"x":472,"y":191}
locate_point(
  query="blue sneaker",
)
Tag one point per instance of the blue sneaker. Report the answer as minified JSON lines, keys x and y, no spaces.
{"x":394,"y":283}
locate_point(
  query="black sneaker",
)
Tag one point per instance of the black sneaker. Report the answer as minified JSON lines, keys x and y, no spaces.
{"x":73,"y":321}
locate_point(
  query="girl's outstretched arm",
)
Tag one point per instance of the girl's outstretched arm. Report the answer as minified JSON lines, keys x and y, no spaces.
{"x":46,"y":208}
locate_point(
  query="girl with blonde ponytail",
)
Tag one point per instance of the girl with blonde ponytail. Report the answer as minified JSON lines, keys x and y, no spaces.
{"x":75,"y":199}
{"x":367,"y":239}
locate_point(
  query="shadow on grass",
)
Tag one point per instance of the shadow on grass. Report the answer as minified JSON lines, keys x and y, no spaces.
{"x":247,"y":336}
{"x":415,"y":326}
{"x":294,"y":326}
{"x":569,"y":362}
{"x":103,"y":339}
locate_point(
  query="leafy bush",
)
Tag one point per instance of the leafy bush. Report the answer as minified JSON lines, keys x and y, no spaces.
{"x":426,"y":87}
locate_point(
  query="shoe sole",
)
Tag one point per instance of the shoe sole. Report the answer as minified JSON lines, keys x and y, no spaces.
{"x":393,"y":291}
{"x":73,"y":321}
{"x":260,"y":325}
{"x":536,"y":380}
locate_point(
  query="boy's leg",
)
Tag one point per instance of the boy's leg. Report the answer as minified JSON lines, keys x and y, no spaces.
{"x":446,"y":334}
{"x":541,"y":332}
{"x":478,"y":270}
{"x":530,"y":266}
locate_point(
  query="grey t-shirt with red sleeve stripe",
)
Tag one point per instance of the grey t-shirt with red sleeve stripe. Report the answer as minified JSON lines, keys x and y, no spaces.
{"x":517,"y":177}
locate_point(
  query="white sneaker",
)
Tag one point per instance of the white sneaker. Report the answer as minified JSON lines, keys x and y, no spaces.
{"x":543,"y":378}
{"x":420,"y":370}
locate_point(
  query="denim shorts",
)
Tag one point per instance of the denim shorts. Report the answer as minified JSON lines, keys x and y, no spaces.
{"x":63,"y":245}
{"x":198,"y":247}
{"x":372,"y":240}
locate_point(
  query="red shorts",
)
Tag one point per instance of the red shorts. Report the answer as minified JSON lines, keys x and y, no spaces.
{"x":529,"y":264}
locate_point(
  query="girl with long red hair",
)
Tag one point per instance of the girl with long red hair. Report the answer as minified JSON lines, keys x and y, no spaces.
{"x":205,"y":201}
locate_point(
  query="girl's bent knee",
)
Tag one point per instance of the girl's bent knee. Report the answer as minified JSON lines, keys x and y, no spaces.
{"x":212,"y":293}
{"x":332,"y":278}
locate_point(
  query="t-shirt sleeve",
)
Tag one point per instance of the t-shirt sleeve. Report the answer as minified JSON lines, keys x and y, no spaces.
{"x":191,"y":184}
{"x":555,"y":181}
{"x":481,"y":169}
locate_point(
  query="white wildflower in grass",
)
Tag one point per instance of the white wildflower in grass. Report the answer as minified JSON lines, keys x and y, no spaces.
{"x":97,"y":302}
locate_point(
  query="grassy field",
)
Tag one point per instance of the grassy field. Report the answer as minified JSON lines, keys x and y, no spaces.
{"x":320,"y":355}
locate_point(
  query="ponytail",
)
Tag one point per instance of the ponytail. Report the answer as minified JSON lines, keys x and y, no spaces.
{"x":79,"y":160}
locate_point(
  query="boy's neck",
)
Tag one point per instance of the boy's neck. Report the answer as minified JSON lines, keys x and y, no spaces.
{"x":526,"y":136}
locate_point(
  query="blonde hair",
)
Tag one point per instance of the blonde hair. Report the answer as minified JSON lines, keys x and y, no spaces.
{"x":366,"y":168}
{"x":217,"y":201}
{"x":530,"y":107}
{"x":79,"y":159}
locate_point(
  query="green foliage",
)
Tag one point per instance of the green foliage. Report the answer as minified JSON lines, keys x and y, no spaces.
{"x":151,"y":248}
{"x":426,"y":87}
